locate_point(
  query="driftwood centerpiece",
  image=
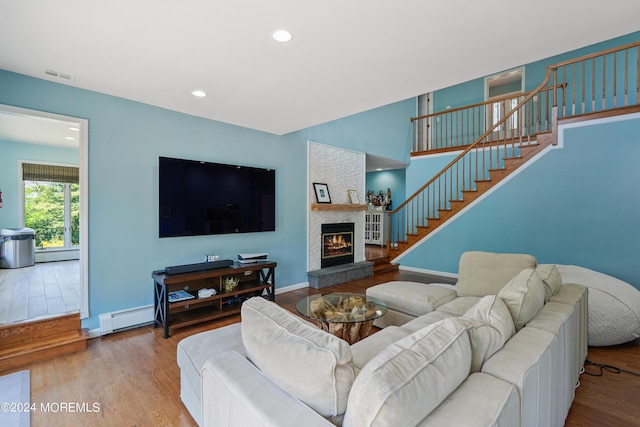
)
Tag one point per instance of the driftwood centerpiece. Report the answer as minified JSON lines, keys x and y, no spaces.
{"x":346,"y":316}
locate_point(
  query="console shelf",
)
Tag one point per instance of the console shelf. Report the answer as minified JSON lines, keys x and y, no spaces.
{"x":257,"y":279}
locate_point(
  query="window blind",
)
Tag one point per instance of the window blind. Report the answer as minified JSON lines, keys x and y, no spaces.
{"x":50,"y":173}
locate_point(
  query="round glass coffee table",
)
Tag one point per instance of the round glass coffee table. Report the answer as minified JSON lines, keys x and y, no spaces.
{"x":345,"y":315}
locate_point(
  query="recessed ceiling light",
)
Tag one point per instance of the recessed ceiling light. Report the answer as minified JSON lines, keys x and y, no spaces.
{"x":70,"y":138}
{"x":199,"y":93}
{"x":282,"y":36}
{"x":74,"y":128}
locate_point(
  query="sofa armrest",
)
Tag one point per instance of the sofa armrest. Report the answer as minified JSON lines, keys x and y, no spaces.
{"x":236,"y":393}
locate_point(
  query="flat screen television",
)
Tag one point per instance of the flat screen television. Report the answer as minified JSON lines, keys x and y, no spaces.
{"x":201,"y":198}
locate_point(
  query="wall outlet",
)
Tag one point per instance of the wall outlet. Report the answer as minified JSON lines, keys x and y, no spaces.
{"x":210,"y":258}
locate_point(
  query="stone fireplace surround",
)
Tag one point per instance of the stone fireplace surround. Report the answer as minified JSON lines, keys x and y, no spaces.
{"x":341,"y":170}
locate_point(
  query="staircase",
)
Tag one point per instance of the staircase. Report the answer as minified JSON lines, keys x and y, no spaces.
{"x":24,"y":343}
{"x":592,"y":86}
{"x":383,"y":265}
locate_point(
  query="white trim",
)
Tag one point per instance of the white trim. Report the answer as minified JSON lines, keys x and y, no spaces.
{"x":501,"y":74}
{"x":84,"y":217}
{"x":292,"y":288}
{"x":612,"y":119}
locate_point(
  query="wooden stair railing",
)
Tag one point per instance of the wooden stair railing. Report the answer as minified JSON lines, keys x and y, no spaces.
{"x":456,"y":128}
{"x":517,"y":137}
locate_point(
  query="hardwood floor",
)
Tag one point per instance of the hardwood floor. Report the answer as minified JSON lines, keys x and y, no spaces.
{"x":45,"y":289}
{"x":132,"y":377}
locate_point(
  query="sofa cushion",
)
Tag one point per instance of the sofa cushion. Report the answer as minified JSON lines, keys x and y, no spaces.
{"x":306,"y":362}
{"x":485,"y":273}
{"x":524,"y":296}
{"x":412,"y":297}
{"x":425,"y":320}
{"x":494,"y":311}
{"x":487,"y":401}
{"x":458,"y":306}
{"x":489,"y":325}
{"x":550,"y":278}
{"x":408,"y":379}
{"x":365,"y":350}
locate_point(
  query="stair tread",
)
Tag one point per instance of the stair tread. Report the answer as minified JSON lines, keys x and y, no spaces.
{"x":44,"y":343}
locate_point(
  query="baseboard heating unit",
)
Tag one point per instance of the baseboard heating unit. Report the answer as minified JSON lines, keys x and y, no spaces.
{"x":125,"y":319}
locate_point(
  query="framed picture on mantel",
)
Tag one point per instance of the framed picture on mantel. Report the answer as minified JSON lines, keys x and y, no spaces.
{"x":353,"y":197}
{"x":322,"y":192}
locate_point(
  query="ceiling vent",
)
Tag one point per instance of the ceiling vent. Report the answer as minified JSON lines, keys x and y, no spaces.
{"x":54,"y":73}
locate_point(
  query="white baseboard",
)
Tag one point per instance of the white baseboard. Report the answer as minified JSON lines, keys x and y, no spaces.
{"x":292,"y":288}
{"x":124,"y":319}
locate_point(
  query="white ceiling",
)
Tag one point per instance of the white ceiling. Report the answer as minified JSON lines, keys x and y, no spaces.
{"x":20,"y":126}
{"x":346,"y":56}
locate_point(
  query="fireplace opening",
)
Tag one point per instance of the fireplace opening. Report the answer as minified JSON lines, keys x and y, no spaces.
{"x":337,"y":244}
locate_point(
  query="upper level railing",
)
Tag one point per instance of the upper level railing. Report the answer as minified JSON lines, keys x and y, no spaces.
{"x":594,"y":83}
{"x":459,"y":127}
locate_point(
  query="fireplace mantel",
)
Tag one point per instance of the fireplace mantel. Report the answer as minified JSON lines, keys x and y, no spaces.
{"x":337,"y":207}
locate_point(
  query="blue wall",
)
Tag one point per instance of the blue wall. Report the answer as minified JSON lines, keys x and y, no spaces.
{"x":11,"y":153}
{"x":384,"y":131}
{"x":575,"y":205}
{"x":389,"y":179}
{"x":125,"y":140}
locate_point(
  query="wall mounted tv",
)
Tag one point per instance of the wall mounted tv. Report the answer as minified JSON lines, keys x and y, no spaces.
{"x":202,"y":198}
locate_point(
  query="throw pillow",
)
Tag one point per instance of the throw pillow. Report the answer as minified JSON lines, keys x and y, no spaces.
{"x":485,"y":273}
{"x":551,"y":279}
{"x":524,"y":296}
{"x":490,"y":326}
{"x":404,"y":382}
{"x":306,"y":362}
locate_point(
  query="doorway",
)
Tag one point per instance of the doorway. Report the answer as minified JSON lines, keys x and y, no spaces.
{"x":506,"y":90}
{"x":45,"y":133}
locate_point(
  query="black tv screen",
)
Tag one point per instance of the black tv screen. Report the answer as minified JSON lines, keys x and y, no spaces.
{"x":200,"y":198}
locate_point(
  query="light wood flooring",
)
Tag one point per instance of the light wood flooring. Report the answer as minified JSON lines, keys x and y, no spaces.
{"x":133,"y":378}
{"x":42,"y":290}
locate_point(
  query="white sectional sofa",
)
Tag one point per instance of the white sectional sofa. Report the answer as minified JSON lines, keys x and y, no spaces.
{"x":504,"y":348}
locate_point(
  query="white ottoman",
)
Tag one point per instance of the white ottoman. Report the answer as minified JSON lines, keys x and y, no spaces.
{"x":408,"y":300}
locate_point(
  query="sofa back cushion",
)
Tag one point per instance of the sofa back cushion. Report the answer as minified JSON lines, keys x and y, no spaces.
{"x":551,"y":279}
{"x":306,"y":362}
{"x":490,"y":326}
{"x":524,"y":296}
{"x":411,"y":377}
{"x":485,"y":273}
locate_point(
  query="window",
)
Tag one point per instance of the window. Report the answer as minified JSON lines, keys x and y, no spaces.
{"x":52,"y":205}
{"x":502,"y":86}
